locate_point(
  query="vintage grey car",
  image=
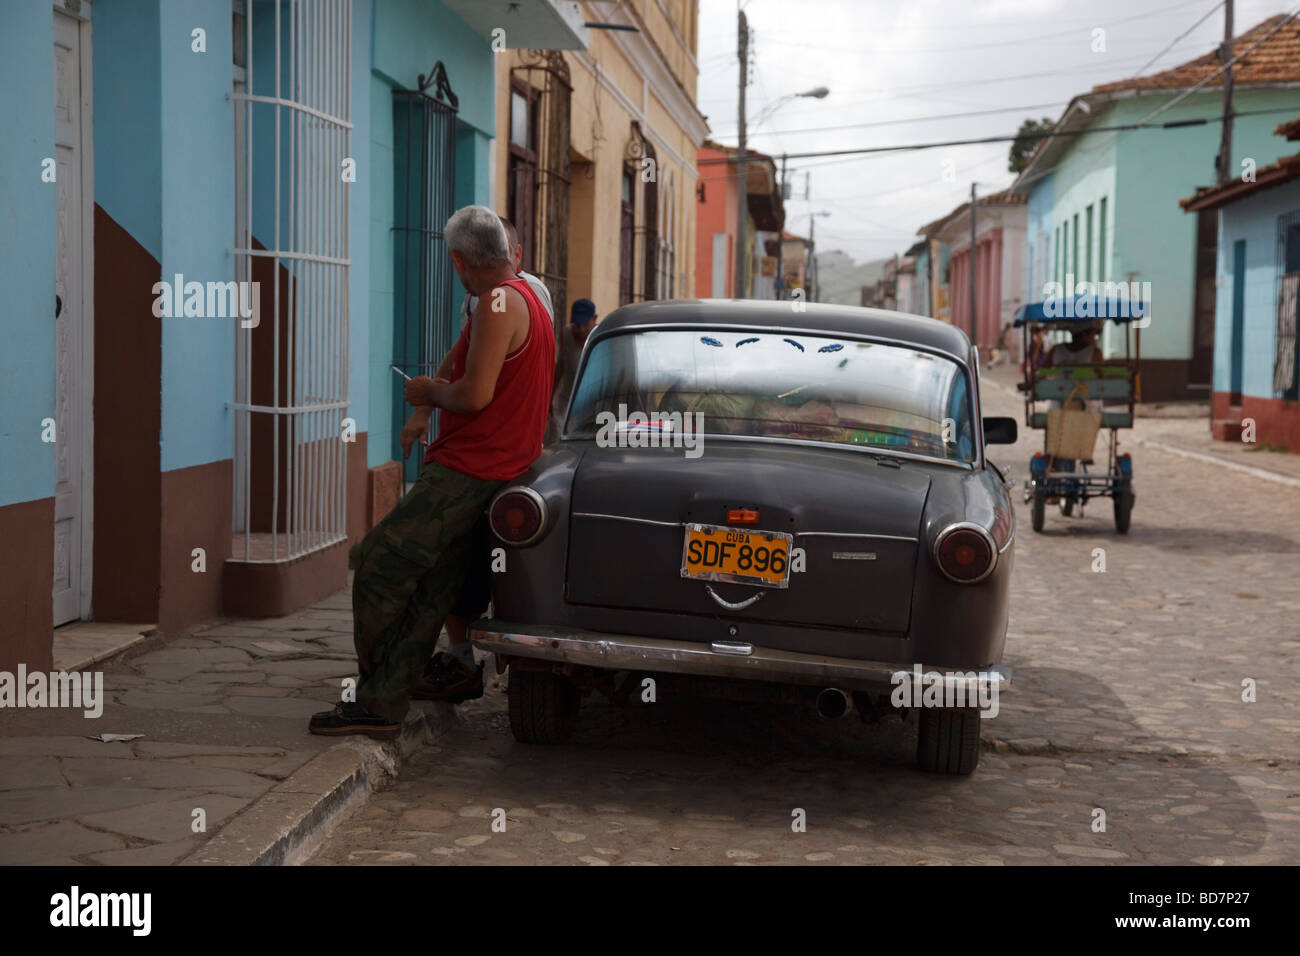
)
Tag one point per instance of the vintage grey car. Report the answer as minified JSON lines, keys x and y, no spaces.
{"x":765,"y":501}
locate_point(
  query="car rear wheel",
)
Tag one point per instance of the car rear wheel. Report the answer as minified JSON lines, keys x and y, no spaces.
{"x":543,"y":706}
{"x":1038,"y":509}
{"x":949,"y":739}
{"x":1067,"y":506}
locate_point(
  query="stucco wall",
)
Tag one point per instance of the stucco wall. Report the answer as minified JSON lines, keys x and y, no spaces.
{"x":195,"y":126}
{"x":602,"y":111}
{"x":1152,"y":235}
{"x":26,"y":254}
{"x":1038,"y":238}
{"x":410,"y":36}
{"x":1255,"y":220}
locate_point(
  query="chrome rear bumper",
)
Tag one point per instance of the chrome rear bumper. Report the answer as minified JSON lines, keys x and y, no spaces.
{"x":721,"y":659}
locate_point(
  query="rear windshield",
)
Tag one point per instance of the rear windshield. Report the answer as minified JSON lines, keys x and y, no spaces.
{"x":772,"y":385}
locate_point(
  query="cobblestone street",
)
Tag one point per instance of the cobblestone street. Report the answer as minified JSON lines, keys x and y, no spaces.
{"x":1127,"y":698}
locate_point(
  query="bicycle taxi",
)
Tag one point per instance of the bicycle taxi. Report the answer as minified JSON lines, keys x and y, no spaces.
{"x":1073,"y":397}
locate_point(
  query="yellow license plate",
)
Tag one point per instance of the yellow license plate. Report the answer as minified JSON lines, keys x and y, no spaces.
{"x":716,"y":553}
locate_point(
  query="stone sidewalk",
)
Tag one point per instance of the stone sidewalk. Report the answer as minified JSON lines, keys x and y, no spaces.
{"x":223,"y":714}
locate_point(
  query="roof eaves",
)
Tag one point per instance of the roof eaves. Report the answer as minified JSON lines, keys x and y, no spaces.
{"x":1266,"y":177}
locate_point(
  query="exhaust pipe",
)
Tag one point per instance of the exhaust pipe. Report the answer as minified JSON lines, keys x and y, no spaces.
{"x":833,"y":703}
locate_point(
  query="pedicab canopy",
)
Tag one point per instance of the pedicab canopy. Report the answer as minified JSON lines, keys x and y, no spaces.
{"x":1082,"y":310}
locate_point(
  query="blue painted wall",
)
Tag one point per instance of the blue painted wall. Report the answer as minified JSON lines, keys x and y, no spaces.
{"x":409,"y":36}
{"x":198,"y":227}
{"x":128,"y":112}
{"x":1038,"y":238}
{"x":27,"y":209}
{"x":360,"y":274}
{"x":379,"y":315}
{"x":1255,"y":220}
{"x":1152,"y":236}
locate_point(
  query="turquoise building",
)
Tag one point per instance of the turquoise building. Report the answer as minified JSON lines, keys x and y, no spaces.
{"x":1103,"y":199}
{"x":1256,"y":393}
{"x":222,"y":226}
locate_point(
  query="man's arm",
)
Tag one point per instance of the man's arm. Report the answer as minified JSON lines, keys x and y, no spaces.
{"x":488,"y":347}
{"x":444,"y":370}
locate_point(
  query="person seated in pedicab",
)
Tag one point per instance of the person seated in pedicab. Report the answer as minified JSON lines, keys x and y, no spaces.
{"x":1080,"y":350}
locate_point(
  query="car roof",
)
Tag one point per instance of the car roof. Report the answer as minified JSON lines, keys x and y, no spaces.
{"x":812,"y":317}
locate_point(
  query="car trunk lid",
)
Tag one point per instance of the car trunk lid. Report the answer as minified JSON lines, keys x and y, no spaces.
{"x":854,"y":516}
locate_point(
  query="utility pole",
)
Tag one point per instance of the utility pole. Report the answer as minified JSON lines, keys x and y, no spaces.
{"x":1226,"y":171}
{"x":971,"y":266}
{"x":742,"y":175}
{"x":811,"y":271}
{"x":780,"y":240}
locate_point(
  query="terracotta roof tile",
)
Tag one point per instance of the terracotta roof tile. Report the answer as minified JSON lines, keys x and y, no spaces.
{"x":1276,"y":60}
{"x":1211,"y":197}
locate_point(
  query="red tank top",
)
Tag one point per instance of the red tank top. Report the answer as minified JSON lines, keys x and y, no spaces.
{"x":501,"y":441}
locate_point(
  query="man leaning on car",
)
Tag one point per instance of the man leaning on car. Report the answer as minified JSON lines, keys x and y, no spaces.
{"x":411,"y":566}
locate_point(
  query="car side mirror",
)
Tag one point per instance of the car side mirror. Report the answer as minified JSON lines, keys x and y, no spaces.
{"x":1000,"y":431}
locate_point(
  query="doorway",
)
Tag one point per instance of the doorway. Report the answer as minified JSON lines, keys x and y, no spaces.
{"x":74,"y":325}
{"x":1201,"y":369}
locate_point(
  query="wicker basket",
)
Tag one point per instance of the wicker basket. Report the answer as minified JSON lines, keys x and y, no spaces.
{"x":1072,"y":431}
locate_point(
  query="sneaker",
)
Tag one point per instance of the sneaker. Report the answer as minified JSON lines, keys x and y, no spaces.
{"x":430,"y":681}
{"x":446,"y":678}
{"x":351,"y":718}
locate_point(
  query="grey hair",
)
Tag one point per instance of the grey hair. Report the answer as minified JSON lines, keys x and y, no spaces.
{"x":477,"y":234}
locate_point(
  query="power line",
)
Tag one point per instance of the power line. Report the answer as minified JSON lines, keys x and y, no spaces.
{"x":963,"y":84}
{"x":1174,"y":124}
{"x":1179,"y":38}
{"x":1178,"y":99}
{"x":914,"y":119}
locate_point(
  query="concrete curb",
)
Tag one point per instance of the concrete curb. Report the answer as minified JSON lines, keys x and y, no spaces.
{"x":287,"y":824}
{"x":1263,"y":473}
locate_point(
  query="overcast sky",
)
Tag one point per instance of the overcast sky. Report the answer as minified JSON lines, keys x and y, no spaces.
{"x":889,"y":60}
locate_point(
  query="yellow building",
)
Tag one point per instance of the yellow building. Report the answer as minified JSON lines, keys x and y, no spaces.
{"x":594,"y":157}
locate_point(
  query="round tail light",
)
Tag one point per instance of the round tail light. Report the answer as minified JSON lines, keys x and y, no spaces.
{"x":518,"y":516}
{"x":965,"y":554}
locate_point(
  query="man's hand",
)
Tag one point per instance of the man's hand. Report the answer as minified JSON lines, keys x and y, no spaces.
{"x":417,"y":390}
{"x":415,"y":429}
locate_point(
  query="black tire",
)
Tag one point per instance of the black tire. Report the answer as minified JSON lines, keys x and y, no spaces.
{"x":1038,"y":509}
{"x":1123,"y":510}
{"x":1067,"y":506}
{"x":948,"y":740}
{"x":543,"y":706}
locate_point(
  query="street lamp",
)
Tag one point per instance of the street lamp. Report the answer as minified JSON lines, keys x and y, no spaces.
{"x":742,"y":172}
{"x":817,"y":93}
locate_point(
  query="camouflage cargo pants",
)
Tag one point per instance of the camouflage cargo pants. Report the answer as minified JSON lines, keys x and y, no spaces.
{"x":410,"y":568}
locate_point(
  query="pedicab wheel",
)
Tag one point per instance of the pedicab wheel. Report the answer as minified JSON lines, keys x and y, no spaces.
{"x":543,"y":706}
{"x":1039,"y":508}
{"x":1123,"y":510}
{"x":1067,"y":506}
{"x":948,"y":740}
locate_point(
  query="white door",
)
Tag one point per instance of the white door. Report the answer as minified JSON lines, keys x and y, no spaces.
{"x":73,"y":344}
